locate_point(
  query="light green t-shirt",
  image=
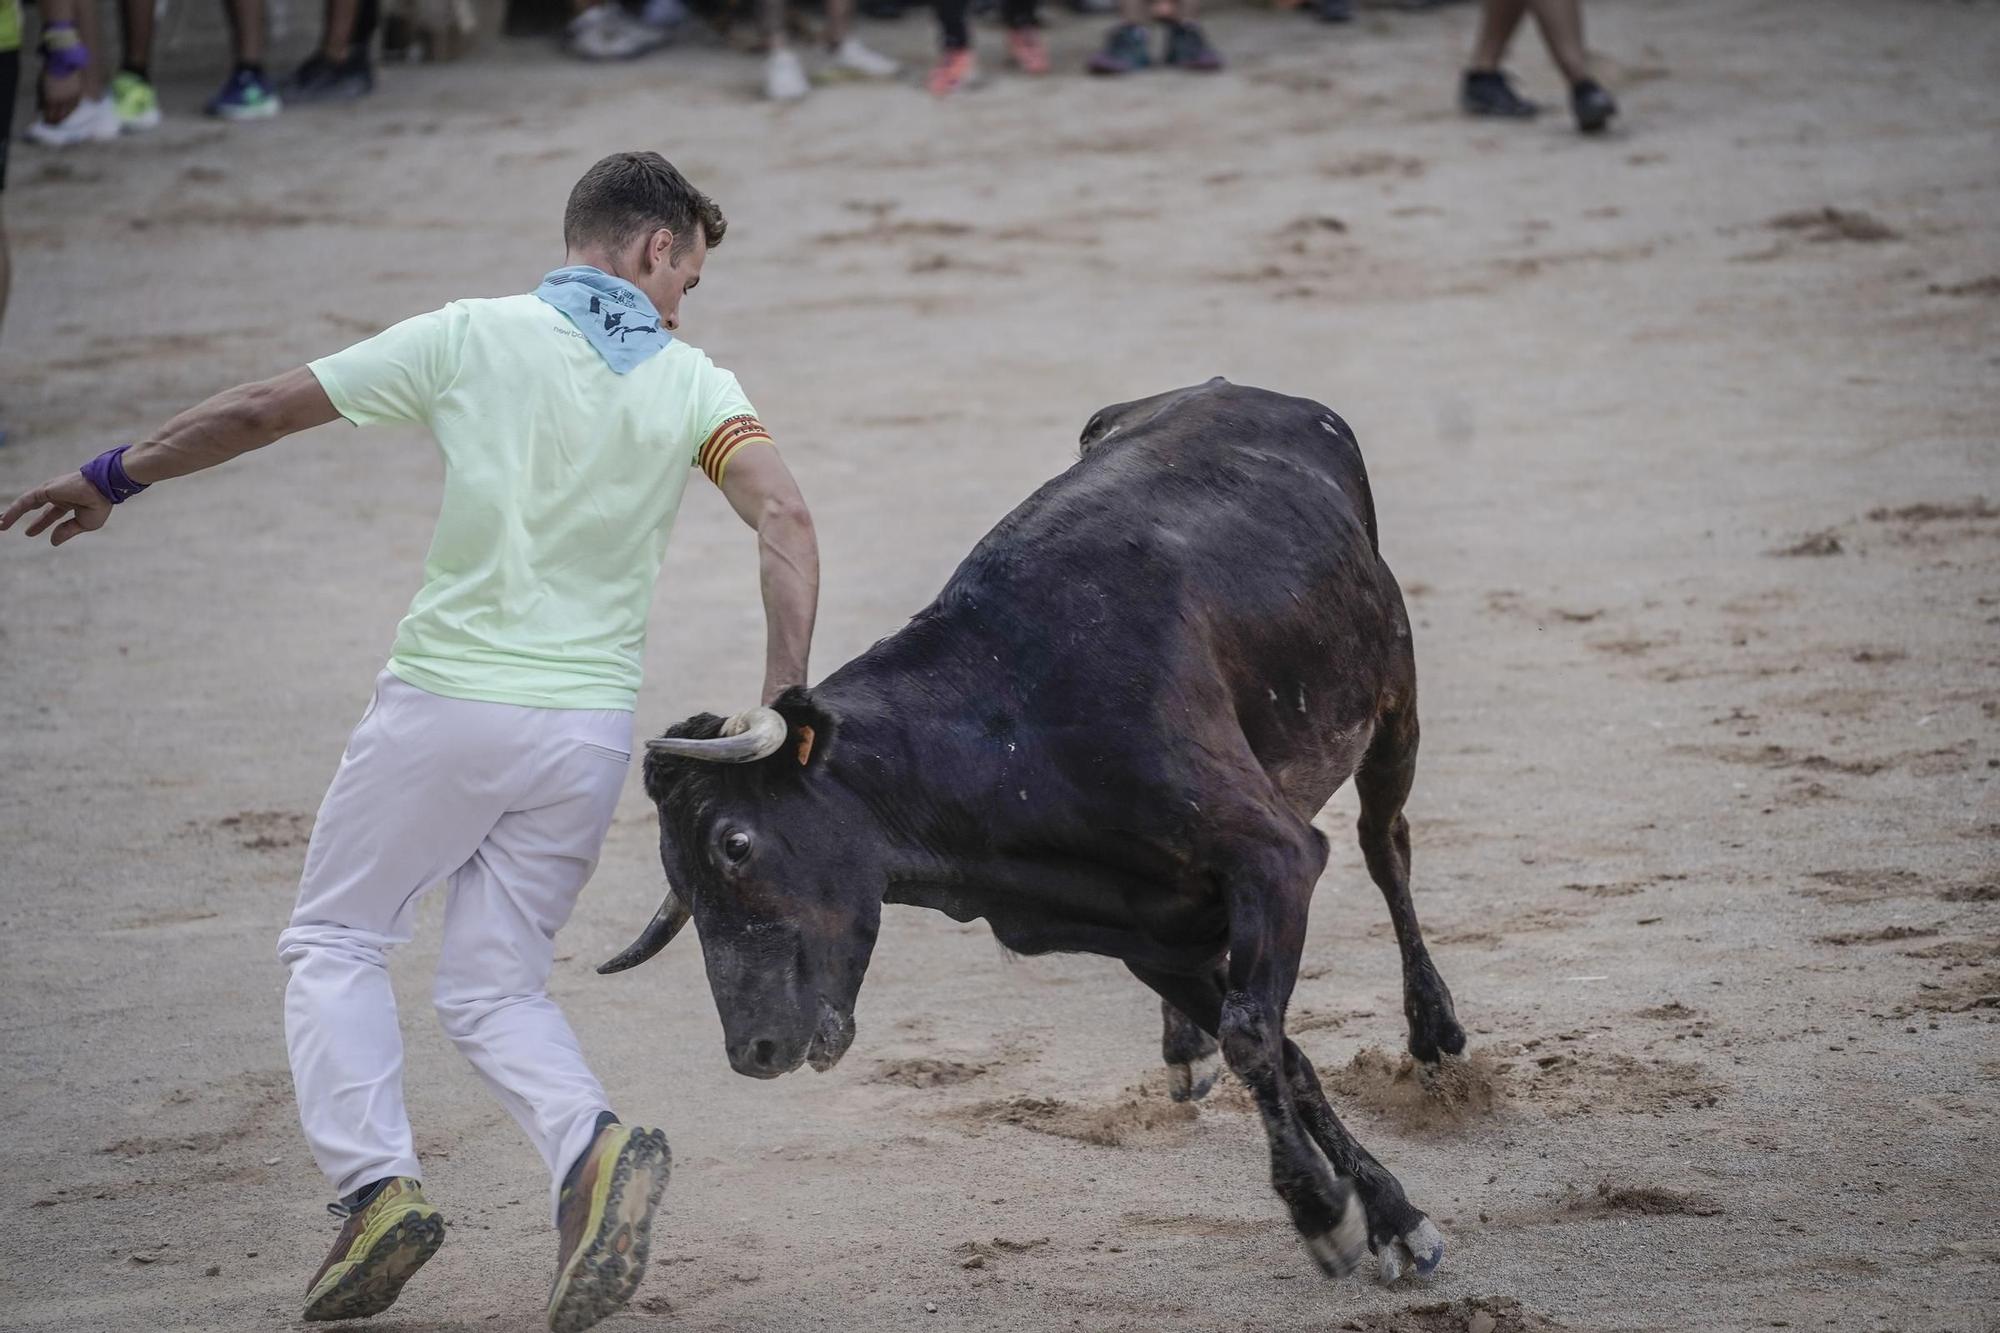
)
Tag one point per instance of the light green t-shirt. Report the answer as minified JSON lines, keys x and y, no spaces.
{"x":561,"y":483}
{"x":10,"y":31}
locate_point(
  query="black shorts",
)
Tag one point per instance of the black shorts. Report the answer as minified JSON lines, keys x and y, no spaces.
{"x":10,"y":84}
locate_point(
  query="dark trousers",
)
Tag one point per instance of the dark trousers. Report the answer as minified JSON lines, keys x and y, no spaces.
{"x":957,"y":36}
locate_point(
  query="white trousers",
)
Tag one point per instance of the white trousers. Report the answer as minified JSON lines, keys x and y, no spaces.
{"x":509,"y":805}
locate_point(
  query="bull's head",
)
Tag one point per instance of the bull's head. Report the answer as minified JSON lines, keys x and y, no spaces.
{"x":764,"y":850}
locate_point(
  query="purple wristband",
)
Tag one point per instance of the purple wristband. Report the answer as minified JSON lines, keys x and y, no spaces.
{"x":107,"y":473}
{"x":63,"y":53}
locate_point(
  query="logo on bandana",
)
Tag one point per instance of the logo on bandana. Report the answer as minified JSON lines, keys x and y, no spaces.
{"x":614,"y":322}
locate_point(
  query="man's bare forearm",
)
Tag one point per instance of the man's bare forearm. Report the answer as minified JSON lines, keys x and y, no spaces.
{"x":232,"y":423}
{"x":788,"y":573}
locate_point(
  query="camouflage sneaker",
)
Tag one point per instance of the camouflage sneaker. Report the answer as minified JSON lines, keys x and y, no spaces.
{"x":380,"y":1245}
{"x":1188,"y":48}
{"x":1125,"y":51}
{"x":605,"y":1215}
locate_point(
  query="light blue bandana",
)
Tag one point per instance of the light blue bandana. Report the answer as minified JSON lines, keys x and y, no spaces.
{"x":616,"y":317}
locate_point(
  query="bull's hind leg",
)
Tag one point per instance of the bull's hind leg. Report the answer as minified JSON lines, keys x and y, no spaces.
{"x":1383,"y":784}
{"x":1193,"y":1059}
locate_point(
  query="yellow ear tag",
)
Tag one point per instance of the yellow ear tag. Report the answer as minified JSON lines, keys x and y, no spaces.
{"x":805,"y":745}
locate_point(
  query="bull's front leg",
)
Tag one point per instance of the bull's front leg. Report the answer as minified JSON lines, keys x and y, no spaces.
{"x":1265,"y":894}
{"x":1193,"y":1060}
{"x":1328,"y":1213}
{"x":1403,"y":1239}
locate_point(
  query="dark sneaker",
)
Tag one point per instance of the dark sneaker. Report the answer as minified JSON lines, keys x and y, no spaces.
{"x":1188,"y":48}
{"x":1334,"y":11}
{"x":1125,"y":51}
{"x":605,"y":1215}
{"x":1486,"y":92}
{"x":246,"y":96}
{"x":323,"y":80}
{"x":380,"y":1245}
{"x":1591,"y":105}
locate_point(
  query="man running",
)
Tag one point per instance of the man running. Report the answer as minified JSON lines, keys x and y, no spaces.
{"x":493,"y":752}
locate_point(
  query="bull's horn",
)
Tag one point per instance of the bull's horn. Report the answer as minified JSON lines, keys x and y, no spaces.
{"x":753,"y":734}
{"x":666,"y":924}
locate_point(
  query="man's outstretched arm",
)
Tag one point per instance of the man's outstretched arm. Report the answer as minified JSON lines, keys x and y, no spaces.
{"x":233,"y":422}
{"x":759,"y":487}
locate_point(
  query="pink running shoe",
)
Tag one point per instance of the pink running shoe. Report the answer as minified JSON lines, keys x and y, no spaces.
{"x":953,"y":71}
{"x":1027,"y":50}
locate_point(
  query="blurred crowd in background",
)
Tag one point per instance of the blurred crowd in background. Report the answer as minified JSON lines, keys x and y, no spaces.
{"x":93,"y":85}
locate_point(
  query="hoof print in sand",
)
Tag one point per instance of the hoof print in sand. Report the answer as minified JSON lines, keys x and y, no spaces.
{"x":1138,"y":1117}
{"x":926,"y":1072}
{"x":1473,"y":1314}
{"x":1419,"y":1098}
{"x":1645,"y":1201}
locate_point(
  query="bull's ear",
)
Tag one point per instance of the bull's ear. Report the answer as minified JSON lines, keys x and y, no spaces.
{"x":814,"y":728}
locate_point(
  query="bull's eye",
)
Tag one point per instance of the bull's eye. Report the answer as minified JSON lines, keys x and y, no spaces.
{"x":736,"y":846}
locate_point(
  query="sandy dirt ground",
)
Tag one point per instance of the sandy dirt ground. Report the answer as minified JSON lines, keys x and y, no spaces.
{"x":1686,"y":445}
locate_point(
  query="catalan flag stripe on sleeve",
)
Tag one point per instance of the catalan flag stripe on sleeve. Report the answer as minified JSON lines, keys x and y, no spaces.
{"x":725,"y":440}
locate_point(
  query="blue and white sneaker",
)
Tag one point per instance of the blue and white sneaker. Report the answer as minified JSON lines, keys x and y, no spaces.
{"x":245,"y":96}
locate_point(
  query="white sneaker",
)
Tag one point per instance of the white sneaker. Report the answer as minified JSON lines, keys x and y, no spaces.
{"x":785,"y":76}
{"x":854,"y":58}
{"x":94,"y":120}
{"x":606,"y":32}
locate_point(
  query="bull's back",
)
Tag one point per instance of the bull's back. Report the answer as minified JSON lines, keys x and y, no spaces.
{"x":1227,"y":542}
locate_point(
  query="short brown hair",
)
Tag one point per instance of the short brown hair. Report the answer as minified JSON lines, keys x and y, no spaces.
{"x":630,"y":193}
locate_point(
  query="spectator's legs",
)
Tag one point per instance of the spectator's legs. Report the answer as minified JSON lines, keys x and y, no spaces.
{"x":10,"y":86}
{"x":955,"y":64}
{"x":246,"y":31}
{"x":72,"y":108}
{"x":1486,"y":91}
{"x":848,"y":53}
{"x":1126,"y":48}
{"x":1561,"y":22}
{"x":136,"y":23}
{"x":246,"y":95}
{"x":839,"y":17}
{"x":604,"y":31}
{"x":338,"y":35}
{"x":132,"y":95}
{"x":1187,"y":45}
{"x":93,"y":74}
{"x":784,"y":73}
{"x":1497,"y":21}
{"x":340,"y":69}
{"x":955,"y":34}
{"x":1025,"y":46}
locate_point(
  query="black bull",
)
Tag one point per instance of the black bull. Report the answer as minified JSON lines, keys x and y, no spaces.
{"x":1109,"y":734}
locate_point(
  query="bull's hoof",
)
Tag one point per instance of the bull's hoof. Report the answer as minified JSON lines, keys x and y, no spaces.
{"x":1340,"y":1249}
{"x":1434,"y":1035}
{"x":1417,"y":1252}
{"x":1191,"y":1082}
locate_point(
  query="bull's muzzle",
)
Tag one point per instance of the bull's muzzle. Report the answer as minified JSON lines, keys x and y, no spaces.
{"x":768,"y":1056}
